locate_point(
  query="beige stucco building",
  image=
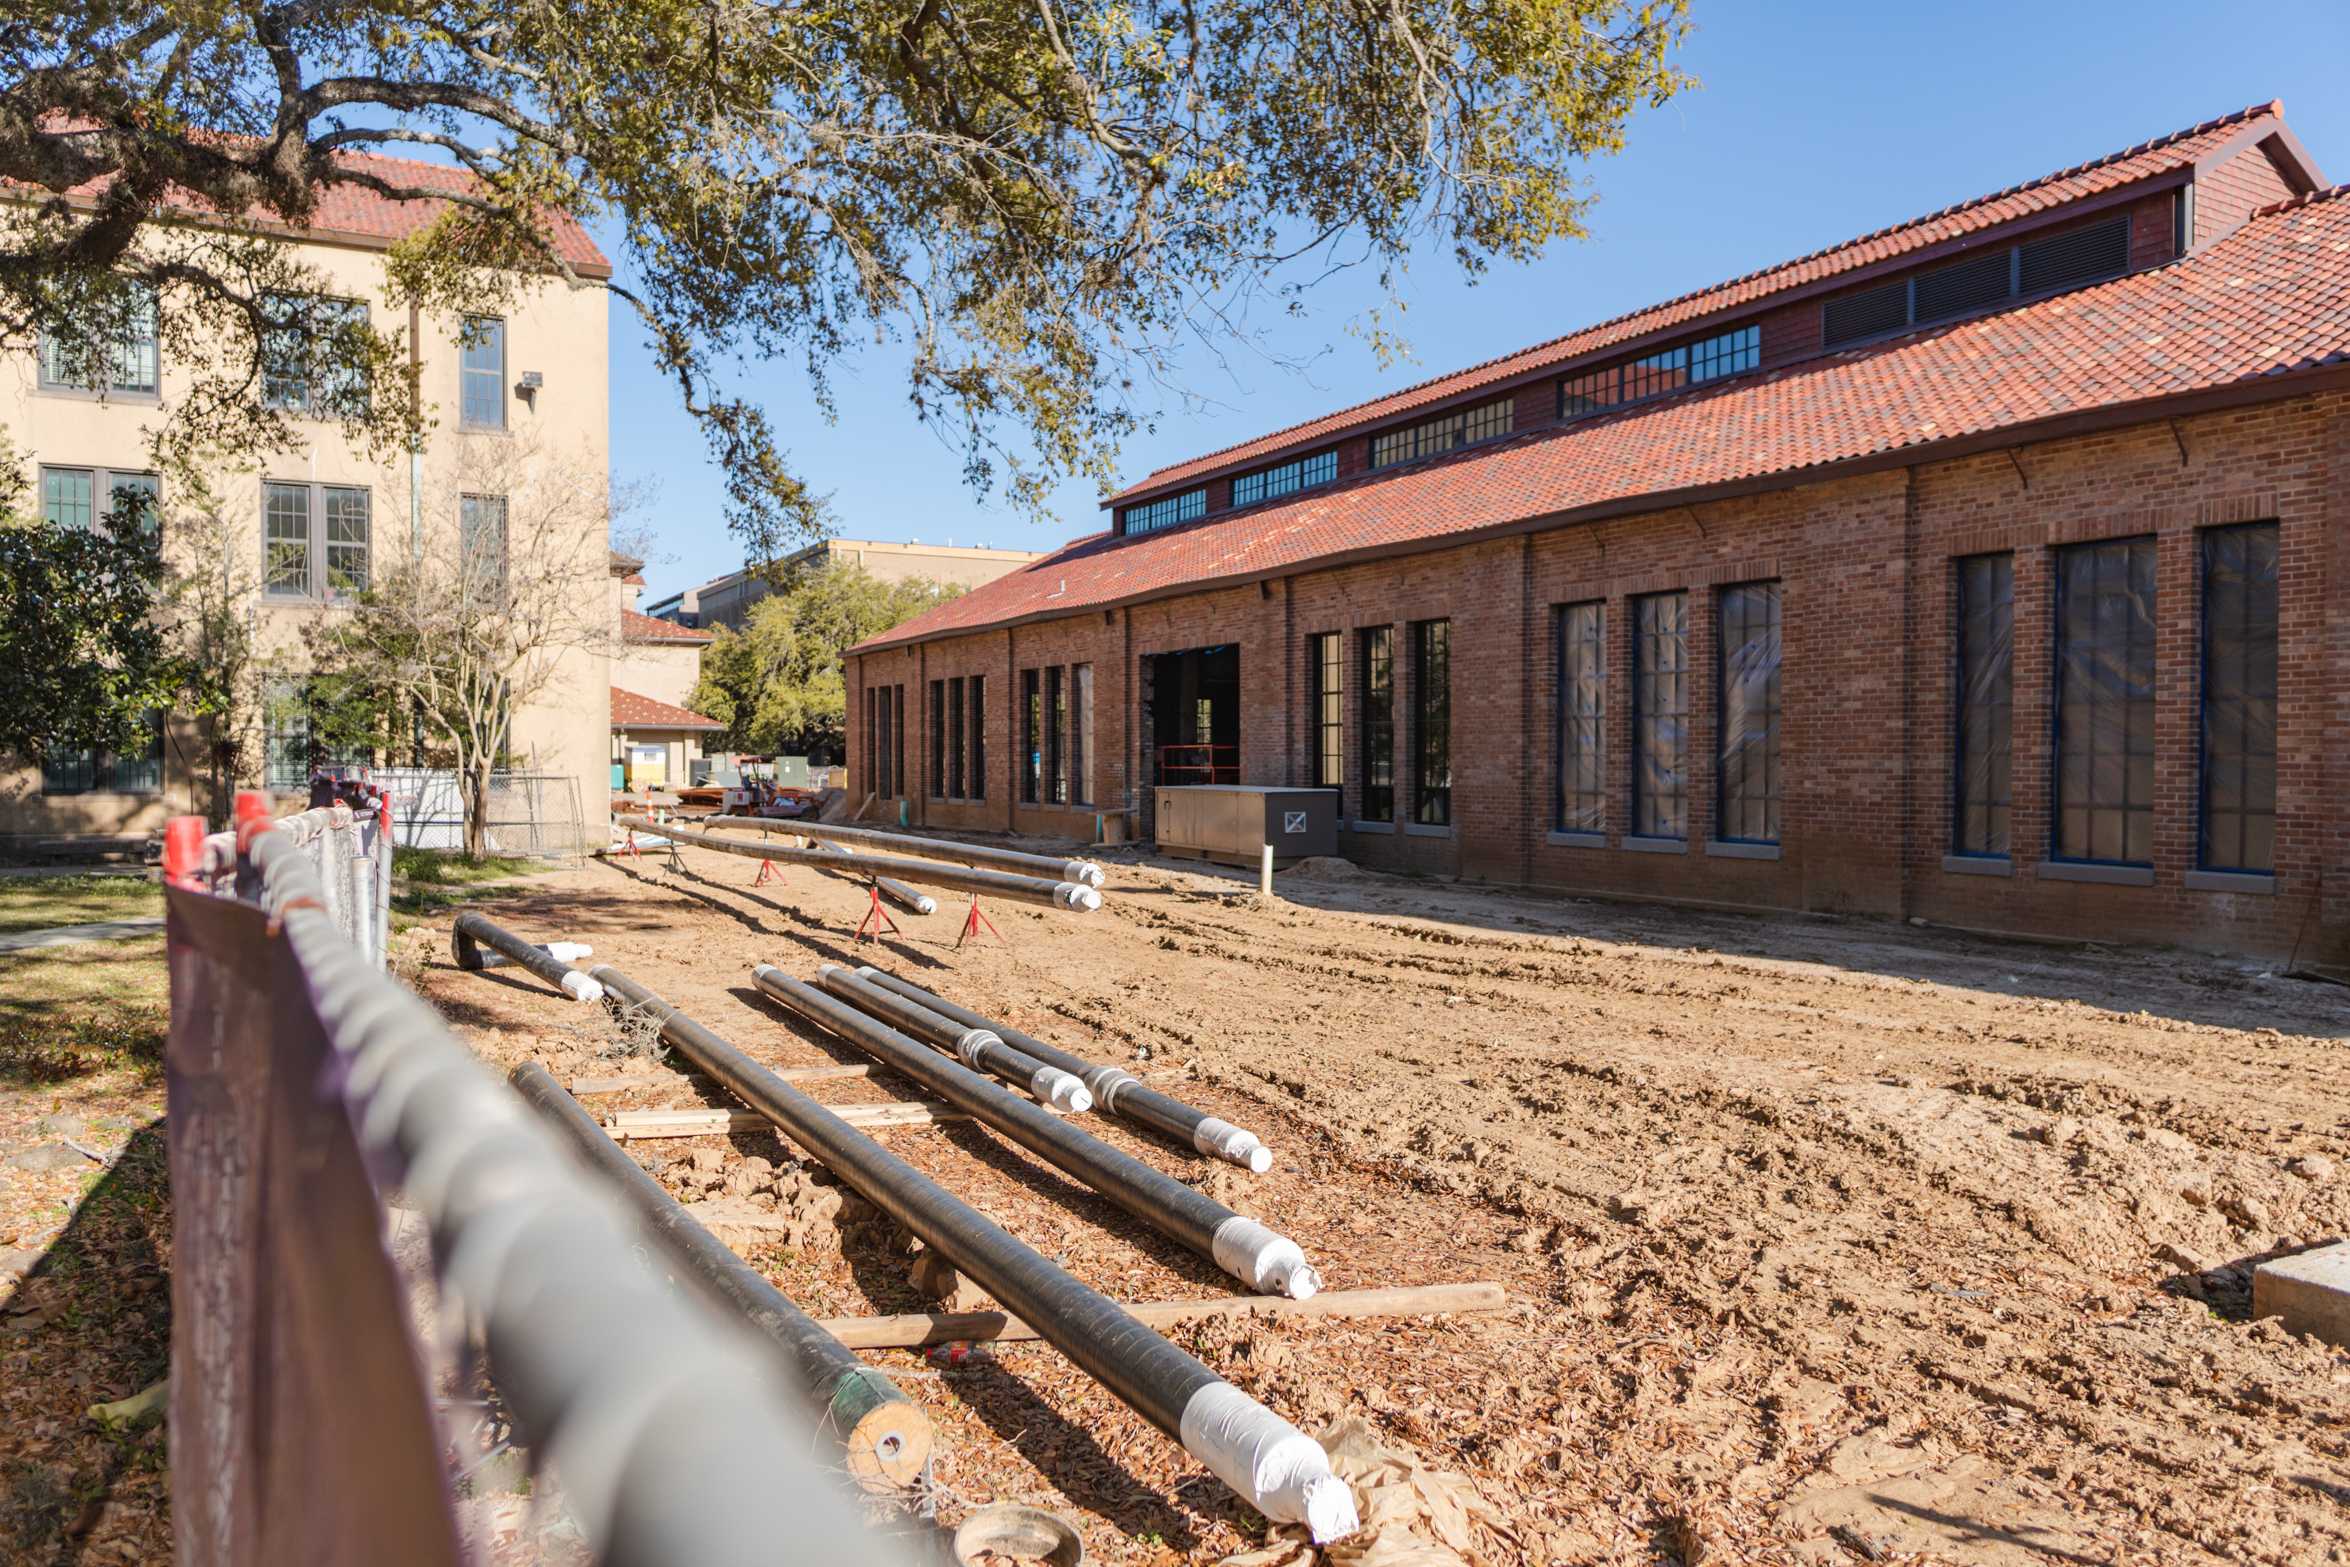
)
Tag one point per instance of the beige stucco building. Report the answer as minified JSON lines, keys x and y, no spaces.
{"x":727,"y":600}
{"x":519,"y":436}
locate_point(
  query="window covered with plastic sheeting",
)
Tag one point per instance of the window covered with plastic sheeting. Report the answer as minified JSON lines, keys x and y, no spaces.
{"x":1984,"y":772}
{"x":2105,"y":702}
{"x":1660,"y":716}
{"x":1747,"y":763}
{"x":2239,"y":773}
{"x":1582,"y":671}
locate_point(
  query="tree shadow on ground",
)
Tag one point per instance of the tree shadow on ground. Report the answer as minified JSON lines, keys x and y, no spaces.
{"x":43,"y":1046}
{"x":90,"y":1323}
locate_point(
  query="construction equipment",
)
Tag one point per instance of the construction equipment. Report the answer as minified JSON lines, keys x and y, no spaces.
{"x":1115,"y":1089}
{"x":1279,"y":1469}
{"x":1253,"y":1253}
{"x":885,"y":1437}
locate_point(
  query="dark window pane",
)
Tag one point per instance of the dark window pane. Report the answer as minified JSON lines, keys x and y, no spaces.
{"x":2239,"y":728}
{"x":1432,"y":722}
{"x":954,"y":725}
{"x":979,"y":737}
{"x":1984,"y":770}
{"x":1379,"y":724}
{"x":1031,"y":735}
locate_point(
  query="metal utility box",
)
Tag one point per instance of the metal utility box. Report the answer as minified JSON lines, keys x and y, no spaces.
{"x":1232,"y":823}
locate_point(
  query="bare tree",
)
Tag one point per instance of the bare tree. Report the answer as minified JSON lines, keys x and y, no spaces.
{"x":509,"y":582}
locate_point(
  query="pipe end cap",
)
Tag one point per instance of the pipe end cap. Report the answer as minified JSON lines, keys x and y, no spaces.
{"x":582,"y":988}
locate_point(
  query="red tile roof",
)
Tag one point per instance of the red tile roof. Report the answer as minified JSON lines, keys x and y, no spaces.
{"x":354,"y":212}
{"x":2178,"y":150}
{"x":2268,"y":302}
{"x":636,"y":627}
{"x":630,"y":711}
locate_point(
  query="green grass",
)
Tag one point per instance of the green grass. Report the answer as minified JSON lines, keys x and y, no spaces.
{"x":39,"y":902}
{"x":430,"y":881}
{"x":444,"y":868}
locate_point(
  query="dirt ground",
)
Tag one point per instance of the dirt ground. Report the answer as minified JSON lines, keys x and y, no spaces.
{"x":1829,"y":1240}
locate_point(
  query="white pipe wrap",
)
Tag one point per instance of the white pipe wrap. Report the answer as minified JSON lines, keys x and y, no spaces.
{"x":1076,"y":897}
{"x":1084,"y":872}
{"x":582,"y":988}
{"x":568,"y":951}
{"x":1105,"y":1081}
{"x":1059,"y":1089}
{"x":973,"y":1044}
{"x":1222,"y":1140}
{"x":1266,"y":1459}
{"x":1265,"y":1260}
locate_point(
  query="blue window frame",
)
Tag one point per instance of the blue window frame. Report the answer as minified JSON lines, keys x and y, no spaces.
{"x":1165,"y":512}
{"x":1268,"y":484}
{"x":1983,"y":756}
{"x":1660,"y":716}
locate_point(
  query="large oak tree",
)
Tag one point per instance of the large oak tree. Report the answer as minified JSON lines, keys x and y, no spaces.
{"x":1044,"y":199}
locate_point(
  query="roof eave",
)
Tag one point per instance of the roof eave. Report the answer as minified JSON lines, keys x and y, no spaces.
{"x":2265,"y":388}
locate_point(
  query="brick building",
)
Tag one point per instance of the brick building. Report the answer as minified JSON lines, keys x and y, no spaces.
{"x":1974,"y":570}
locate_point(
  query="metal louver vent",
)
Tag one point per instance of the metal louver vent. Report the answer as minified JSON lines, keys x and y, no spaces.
{"x":2077,"y":256}
{"x":1966,"y":285}
{"x":1866,"y":314}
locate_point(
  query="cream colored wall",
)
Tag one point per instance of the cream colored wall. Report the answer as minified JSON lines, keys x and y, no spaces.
{"x":557,"y":331}
{"x":664,"y":671}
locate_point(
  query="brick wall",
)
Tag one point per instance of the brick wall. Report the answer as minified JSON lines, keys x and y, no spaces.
{"x":1867,"y":642}
{"x":2229,"y":194}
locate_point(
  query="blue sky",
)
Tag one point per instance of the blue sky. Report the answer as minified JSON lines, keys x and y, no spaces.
{"x":1814,"y":123}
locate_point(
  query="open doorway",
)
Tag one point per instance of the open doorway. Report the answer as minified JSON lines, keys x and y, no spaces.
{"x":1191,"y":713}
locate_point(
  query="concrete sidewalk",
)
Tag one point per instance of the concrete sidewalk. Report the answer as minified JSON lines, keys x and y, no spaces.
{"x":66,"y":935}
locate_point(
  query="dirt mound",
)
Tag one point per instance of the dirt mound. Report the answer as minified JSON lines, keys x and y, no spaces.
{"x":1327,"y":867}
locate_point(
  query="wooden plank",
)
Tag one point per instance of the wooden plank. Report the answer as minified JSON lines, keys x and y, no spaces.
{"x":587,"y":1087}
{"x":629,"y":1125}
{"x":917,"y":1329}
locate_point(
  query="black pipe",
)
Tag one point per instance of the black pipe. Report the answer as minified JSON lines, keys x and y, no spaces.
{"x":472,"y":932}
{"x":1251,"y":1449}
{"x":1242,"y":1247}
{"x":885,"y":1436}
{"x":981,"y":1049}
{"x":1114,"y":1088}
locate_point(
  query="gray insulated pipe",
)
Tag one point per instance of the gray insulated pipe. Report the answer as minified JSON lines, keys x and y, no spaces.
{"x":1085,"y":871}
{"x":885,"y":1437}
{"x":980,"y":1049}
{"x":1073,"y":896}
{"x":1279,"y":1469}
{"x":1114,"y":1088}
{"x":472,"y":933}
{"x":1262,"y":1258}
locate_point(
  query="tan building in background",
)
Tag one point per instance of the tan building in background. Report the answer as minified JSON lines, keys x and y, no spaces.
{"x":727,"y":600}
{"x":656,"y":737}
{"x":529,"y":395}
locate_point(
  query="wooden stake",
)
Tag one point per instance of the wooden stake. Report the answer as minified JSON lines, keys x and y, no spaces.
{"x":629,"y":1125}
{"x":917,"y":1329}
{"x":585,"y":1086}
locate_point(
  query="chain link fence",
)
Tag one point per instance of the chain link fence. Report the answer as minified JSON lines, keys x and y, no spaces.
{"x":308,"y":1091}
{"x":530,"y":815}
